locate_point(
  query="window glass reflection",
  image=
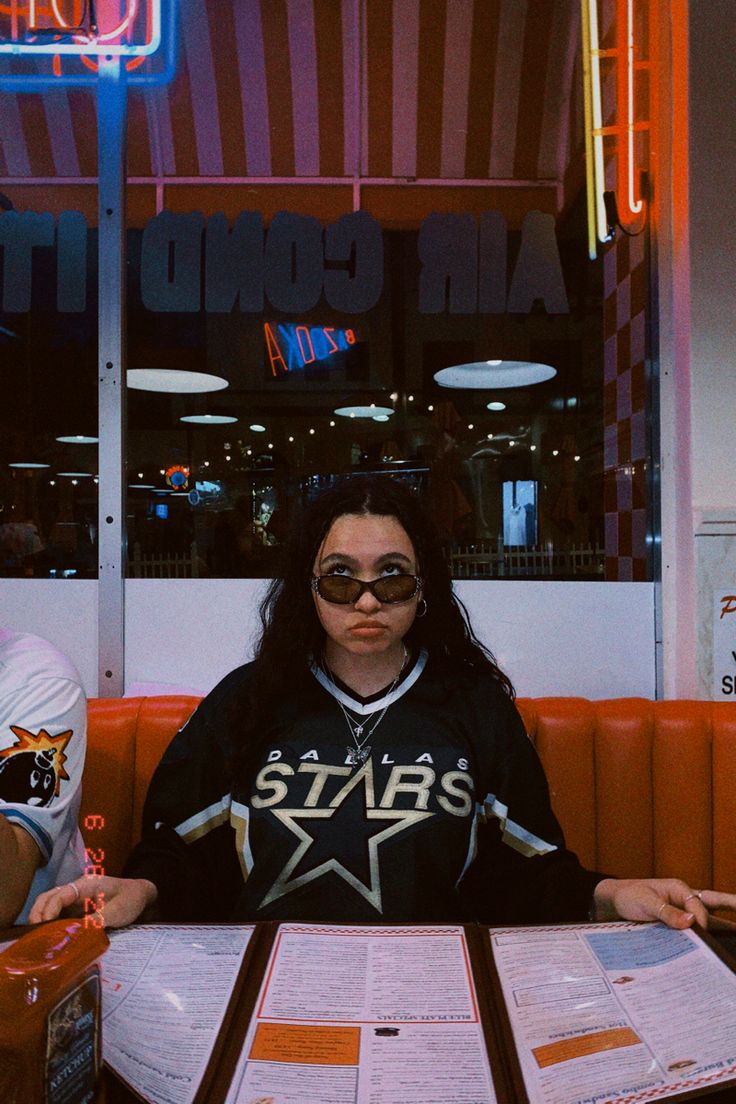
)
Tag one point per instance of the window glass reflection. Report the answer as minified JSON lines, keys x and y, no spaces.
{"x":214,"y":475}
{"x":48,"y":433}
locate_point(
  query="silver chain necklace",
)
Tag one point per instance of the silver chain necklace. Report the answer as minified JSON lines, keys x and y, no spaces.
{"x":357,"y":755}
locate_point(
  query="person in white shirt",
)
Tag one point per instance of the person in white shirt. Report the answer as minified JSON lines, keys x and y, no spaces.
{"x":43,"y":730}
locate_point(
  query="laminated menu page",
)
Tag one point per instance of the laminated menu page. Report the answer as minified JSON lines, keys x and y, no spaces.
{"x":166,"y":995}
{"x":366,"y":1015}
{"x":349,"y":1014}
{"x":624,"y":1013}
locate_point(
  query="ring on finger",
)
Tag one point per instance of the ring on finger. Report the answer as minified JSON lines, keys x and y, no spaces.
{"x":661,"y":909}
{"x":75,"y":887}
{"x":696,"y":893}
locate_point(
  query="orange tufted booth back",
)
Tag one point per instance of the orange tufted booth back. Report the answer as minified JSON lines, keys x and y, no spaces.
{"x":641,"y":788}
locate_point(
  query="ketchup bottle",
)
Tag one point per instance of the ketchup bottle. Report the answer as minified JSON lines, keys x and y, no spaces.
{"x":50,"y":1038}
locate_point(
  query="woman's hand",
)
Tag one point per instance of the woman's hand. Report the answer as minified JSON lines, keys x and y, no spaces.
{"x":109,"y":902}
{"x":669,"y":900}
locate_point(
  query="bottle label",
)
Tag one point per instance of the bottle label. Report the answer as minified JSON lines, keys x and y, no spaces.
{"x":72,"y":1044}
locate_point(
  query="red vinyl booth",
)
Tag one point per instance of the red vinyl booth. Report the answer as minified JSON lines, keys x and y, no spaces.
{"x":641,"y":788}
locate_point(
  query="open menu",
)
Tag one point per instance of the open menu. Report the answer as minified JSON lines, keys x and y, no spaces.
{"x":366,"y":1015}
{"x":166,"y":992}
{"x":575,"y":1014}
{"x":614,"y":1012}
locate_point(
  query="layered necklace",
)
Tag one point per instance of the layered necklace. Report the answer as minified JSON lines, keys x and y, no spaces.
{"x":361,"y":749}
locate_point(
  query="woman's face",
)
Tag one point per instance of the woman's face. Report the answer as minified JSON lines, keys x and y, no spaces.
{"x":366,"y":546}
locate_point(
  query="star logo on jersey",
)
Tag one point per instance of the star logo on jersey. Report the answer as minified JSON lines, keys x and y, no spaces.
{"x":343,"y":852}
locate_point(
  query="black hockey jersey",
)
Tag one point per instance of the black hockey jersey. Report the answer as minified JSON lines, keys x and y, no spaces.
{"x":447,"y":819}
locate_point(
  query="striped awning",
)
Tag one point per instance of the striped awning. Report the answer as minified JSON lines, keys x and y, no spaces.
{"x":398,"y":106}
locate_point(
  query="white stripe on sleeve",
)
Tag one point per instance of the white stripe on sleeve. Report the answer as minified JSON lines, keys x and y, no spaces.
{"x":514,"y":834}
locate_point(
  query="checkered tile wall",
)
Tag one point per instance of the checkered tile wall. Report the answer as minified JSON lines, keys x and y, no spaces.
{"x":625,"y":290}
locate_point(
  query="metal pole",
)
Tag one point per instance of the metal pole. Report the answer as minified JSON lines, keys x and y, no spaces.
{"x":111,"y":162}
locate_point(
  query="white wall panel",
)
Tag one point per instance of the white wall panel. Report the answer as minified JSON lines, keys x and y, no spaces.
{"x":591,"y":639}
{"x":188,"y":633}
{"x":62,"y":610}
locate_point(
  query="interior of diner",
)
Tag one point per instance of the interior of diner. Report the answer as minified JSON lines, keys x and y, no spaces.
{"x":448,"y":241}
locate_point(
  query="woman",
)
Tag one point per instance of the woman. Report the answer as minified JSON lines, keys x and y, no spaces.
{"x":369,"y":765}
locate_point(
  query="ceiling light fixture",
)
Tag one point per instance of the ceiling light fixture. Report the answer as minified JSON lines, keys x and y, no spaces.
{"x":78,"y":439}
{"x":487,"y":374}
{"x":173,"y":380}
{"x":29,"y":465}
{"x":257,"y":428}
{"x":208,"y":419}
{"x":363,"y":411}
{"x":495,"y":406}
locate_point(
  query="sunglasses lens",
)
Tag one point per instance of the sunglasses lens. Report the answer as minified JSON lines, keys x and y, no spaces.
{"x":395,"y":588}
{"x":342,"y":589}
{"x":338,"y":588}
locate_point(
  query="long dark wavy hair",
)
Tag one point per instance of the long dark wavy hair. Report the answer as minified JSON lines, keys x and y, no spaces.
{"x":292,"y":635}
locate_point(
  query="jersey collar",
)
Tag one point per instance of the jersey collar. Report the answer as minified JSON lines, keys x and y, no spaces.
{"x":364,"y":709}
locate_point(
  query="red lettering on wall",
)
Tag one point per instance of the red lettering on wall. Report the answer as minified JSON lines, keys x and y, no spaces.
{"x":328,"y":332}
{"x":303,"y":330}
{"x":728,"y":604}
{"x":274,"y":352}
{"x":290,"y":346}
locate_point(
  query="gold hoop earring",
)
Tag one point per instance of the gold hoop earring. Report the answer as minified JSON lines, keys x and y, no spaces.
{"x":421,"y":602}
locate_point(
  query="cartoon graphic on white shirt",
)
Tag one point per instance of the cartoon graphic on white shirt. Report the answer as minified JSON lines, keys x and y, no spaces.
{"x":43,"y":724}
{"x":32,"y":770}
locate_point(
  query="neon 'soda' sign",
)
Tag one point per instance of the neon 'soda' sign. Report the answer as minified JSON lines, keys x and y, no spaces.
{"x":291,"y":346}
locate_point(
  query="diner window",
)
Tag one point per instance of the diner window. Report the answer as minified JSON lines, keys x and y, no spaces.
{"x":455,"y":334}
{"x":48,"y":419}
{"x":293,"y":400}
